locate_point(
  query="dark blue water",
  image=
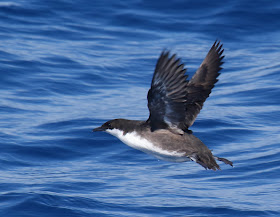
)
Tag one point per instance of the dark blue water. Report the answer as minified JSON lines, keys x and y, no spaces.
{"x":68,"y":66}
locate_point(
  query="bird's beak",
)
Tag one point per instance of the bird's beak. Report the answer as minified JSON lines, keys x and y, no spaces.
{"x":98,"y":129}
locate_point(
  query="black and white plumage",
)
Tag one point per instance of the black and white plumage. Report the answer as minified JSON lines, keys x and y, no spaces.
{"x":174,"y":103}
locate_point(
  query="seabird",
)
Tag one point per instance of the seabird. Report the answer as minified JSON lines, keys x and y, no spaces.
{"x":174,"y":103}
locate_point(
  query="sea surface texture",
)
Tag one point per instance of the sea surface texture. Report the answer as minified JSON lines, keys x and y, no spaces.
{"x":67,"y":66}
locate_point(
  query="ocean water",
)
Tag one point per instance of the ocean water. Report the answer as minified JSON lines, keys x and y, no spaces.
{"x":67,"y":66}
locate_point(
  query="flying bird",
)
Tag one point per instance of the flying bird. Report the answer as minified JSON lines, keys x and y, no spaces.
{"x":174,"y":103}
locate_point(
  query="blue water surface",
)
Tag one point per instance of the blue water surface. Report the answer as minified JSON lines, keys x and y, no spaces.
{"x":69,"y":66}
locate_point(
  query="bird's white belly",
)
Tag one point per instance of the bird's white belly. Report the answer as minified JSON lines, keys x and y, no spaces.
{"x":135,"y":141}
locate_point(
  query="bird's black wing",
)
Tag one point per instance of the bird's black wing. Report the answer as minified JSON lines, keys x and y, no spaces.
{"x":167,"y":97}
{"x":174,"y":101}
{"x":202,"y":82}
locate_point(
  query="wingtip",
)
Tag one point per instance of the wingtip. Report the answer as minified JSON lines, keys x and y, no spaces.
{"x":217,"y":44}
{"x":217,"y":48}
{"x":165,"y":52}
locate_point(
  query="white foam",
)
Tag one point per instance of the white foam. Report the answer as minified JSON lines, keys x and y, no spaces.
{"x":8,"y":4}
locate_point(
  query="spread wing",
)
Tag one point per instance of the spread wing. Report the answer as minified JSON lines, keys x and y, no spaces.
{"x":174,"y":101}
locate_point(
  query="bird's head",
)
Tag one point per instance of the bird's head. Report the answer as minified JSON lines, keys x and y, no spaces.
{"x":110,"y":125}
